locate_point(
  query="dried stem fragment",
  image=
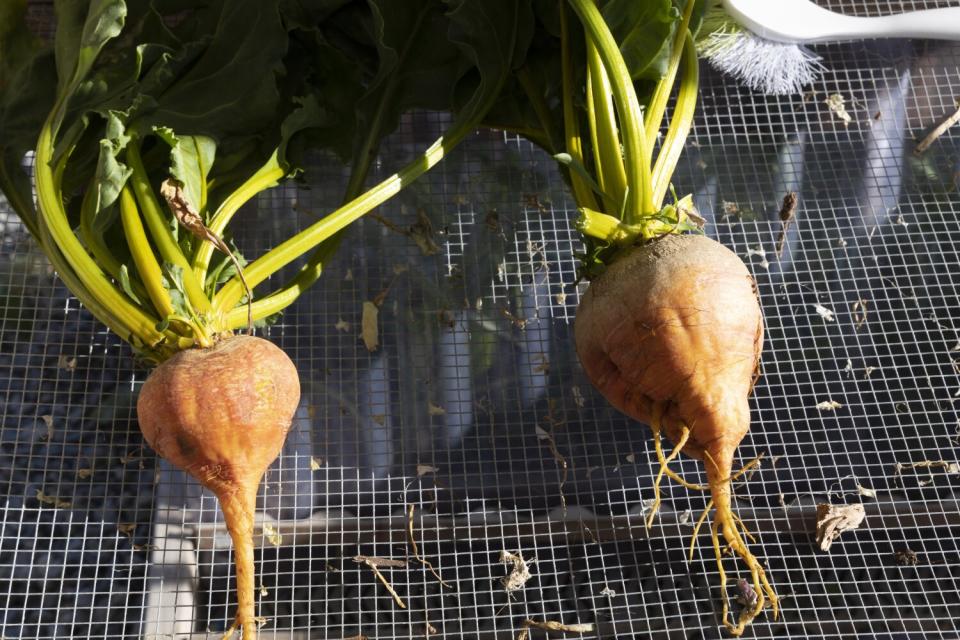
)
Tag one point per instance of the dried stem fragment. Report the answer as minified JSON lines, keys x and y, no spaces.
{"x":552,"y":625}
{"x":938,"y":131}
{"x":412,"y":541}
{"x":375,"y":563}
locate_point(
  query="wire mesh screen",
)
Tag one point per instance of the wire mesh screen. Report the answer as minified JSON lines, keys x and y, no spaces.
{"x":470,"y":437}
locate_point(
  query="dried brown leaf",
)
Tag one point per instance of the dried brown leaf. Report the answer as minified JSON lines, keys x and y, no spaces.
{"x":369,"y":330}
{"x":834,"y":519}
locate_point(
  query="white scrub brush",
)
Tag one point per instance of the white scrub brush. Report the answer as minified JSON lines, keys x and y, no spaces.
{"x":758,"y":42}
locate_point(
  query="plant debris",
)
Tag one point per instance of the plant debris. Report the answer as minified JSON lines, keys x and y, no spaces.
{"x":544,"y":436}
{"x":48,"y":421}
{"x":607,"y":591}
{"x":746,"y":595}
{"x":272,"y":534}
{"x":435,"y":409}
{"x":127,"y":528}
{"x":412,"y":541}
{"x":761,"y":253}
{"x":950,"y":467}
{"x":519,"y":573}
{"x":834,"y":519}
{"x":577,"y":396}
{"x":552,"y":625}
{"x":368,"y":322}
{"x":84,"y":473}
{"x":788,"y":211}
{"x":828,"y":405}
{"x":859,"y":311}
{"x":424,"y":469}
{"x":730,"y":208}
{"x":374,"y":564}
{"x":849,"y":368}
{"x":52,"y":501}
{"x":938,"y":131}
{"x":67,"y":363}
{"x":315,"y":464}
{"x":866,"y":492}
{"x":132,"y":456}
{"x":342,"y":325}
{"x":422,"y":233}
{"x":520,"y":323}
{"x":905,"y":557}
{"x":824,"y":312}
{"x":835,"y":102}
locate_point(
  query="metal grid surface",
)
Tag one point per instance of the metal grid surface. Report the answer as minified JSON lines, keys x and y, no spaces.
{"x":476,"y":376}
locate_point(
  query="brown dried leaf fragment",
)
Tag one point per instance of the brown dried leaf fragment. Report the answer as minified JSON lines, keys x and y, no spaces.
{"x":190,"y":219}
{"x":48,"y":421}
{"x":834,"y":519}
{"x":906,"y":557}
{"x":52,"y":501}
{"x":422,"y":234}
{"x":788,"y":210}
{"x":368,"y":326}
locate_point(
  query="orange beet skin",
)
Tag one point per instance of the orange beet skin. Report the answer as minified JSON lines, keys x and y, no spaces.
{"x":222,"y":414}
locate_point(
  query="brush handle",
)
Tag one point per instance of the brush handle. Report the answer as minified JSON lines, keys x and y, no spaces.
{"x":936,"y":24}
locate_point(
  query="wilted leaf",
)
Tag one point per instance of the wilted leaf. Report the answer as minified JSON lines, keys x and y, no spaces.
{"x":52,"y":501}
{"x":833,"y":520}
{"x":369,"y":330}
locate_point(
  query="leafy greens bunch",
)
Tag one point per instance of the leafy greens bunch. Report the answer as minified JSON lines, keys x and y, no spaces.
{"x":152,"y":122}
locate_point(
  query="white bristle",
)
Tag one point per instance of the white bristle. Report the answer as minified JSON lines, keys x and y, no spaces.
{"x":773,"y":68}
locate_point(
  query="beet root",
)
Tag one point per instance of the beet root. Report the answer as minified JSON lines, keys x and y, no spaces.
{"x":222,"y":414}
{"x":671,"y":334}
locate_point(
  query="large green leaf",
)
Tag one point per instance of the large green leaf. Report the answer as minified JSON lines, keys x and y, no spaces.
{"x":643,"y":29}
{"x":27,"y":92}
{"x":83,"y":28}
{"x":191,"y":158}
{"x":494,"y":36}
{"x":231,"y":87}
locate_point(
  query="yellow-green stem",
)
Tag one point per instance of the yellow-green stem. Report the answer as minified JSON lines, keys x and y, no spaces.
{"x":636,"y":154}
{"x":288,"y":251}
{"x":285,"y":296}
{"x":680,"y":124}
{"x":159,"y":225}
{"x":91,"y":285}
{"x":267,"y":176}
{"x":143,"y":257}
{"x":582,"y":192}
{"x":661,"y":95}
{"x":603,"y":124}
